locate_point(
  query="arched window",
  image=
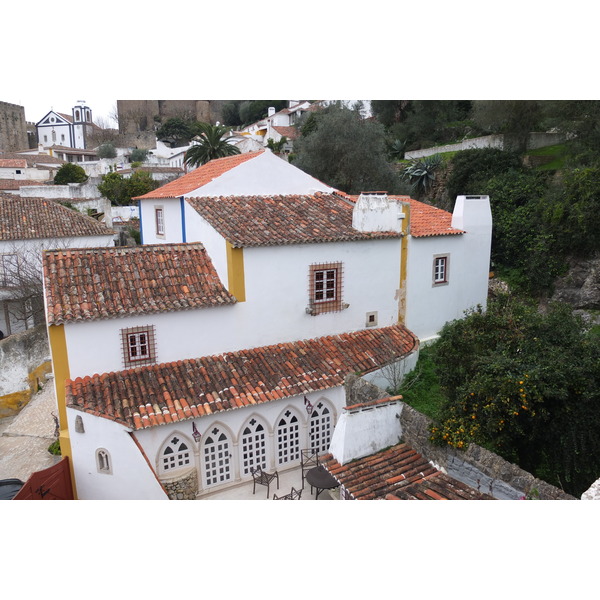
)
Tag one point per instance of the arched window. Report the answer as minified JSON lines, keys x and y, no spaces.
{"x":176,"y":455}
{"x":288,"y":438}
{"x":254,"y":447}
{"x":77,"y":115}
{"x":103,"y":462}
{"x":217,"y":457}
{"x":320,"y":428}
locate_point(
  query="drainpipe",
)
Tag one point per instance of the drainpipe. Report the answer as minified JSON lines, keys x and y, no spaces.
{"x":405,"y":222}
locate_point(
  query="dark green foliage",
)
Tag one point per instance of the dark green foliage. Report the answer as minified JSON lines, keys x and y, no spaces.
{"x":251,"y":111}
{"x":176,"y":131}
{"x":138,"y":155}
{"x":471,"y":169}
{"x":516,"y":119}
{"x":70,"y":173}
{"x":230,"y":113}
{"x":54,"y":448}
{"x":525,"y":385}
{"x":346,"y":152}
{"x":277,"y":147}
{"x":120,"y":190}
{"x":107,"y":151}
{"x":212,"y":144}
{"x":389,"y":112}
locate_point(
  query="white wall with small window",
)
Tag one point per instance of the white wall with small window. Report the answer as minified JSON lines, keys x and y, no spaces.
{"x":170,"y":220}
{"x":114,"y":469}
{"x":448,"y":274}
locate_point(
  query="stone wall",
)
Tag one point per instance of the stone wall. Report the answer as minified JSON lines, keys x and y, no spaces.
{"x":24,"y":364}
{"x":477,"y":467}
{"x":13,"y":128}
{"x":184,"y":488}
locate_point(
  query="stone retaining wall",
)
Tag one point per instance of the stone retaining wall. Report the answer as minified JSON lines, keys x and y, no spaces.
{"x":182,"y":489}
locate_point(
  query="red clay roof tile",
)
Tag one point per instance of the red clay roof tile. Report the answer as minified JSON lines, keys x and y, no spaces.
{"x":99,"y":283}
{"x":40,"y":218}
{"x":277,"y":220}
{"x":137,"y":397}
{"x":398,"y":472}
{"x":200,"y":176}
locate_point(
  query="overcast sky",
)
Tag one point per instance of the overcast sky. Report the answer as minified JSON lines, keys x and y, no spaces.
{"x":117,"y":51}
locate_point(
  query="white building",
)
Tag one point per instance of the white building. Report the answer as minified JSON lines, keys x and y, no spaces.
{"x":29,"y":226}
{"x":72,"y":131}
{"x":183,"y":363}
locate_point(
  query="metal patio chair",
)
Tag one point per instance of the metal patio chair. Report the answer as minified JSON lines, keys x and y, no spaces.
{"x":263,"y":478}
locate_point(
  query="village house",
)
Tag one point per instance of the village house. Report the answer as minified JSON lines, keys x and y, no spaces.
{"x":256,"y":291}
{"x":27,"y":227}
{"x":70,"y":131}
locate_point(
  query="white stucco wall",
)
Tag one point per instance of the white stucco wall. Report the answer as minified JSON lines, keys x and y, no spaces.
{"x":264,"y":174}
{"x":172,"y":220}
{"x":234,"y":421}
{"x":277,"y":280}
{"x":365,"y":431}
{"x":130,"y":478}
{"x":429,"y":306}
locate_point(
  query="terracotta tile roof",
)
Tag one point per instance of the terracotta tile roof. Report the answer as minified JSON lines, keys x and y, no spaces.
{"x":277,"y":220}
{"x":15,"y":184}
{"x":10,"y":163}
{"x":170,"y":392}
{"x":425,"y":220}
{"x":398,"y":473}
{"x":33,"y":159}
{"x":200,"y":176}
{"x":85,"y":284}
{"x":37,"y":218}
{"x":291,"y":133}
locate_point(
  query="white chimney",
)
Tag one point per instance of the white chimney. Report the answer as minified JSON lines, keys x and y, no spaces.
{"x":374,"y":211}
{"x":271,"y":111}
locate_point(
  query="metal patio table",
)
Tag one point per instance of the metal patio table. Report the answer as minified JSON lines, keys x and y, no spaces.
{"x":320,"y":478}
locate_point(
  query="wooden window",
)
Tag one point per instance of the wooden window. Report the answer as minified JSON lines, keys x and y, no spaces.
{"x":320,"y":428}
{"x":254,"y":447}
{"x":325,"y":288}
{"x":440,"y":270}
{"x":176,"y":455}
{"x":288,"y":438}
{"x":138,"y":346}
{"x":159,"y":217}
{"x":217,"y":458}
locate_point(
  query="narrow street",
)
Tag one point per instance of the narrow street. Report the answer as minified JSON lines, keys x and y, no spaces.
{"x":24,"y":438}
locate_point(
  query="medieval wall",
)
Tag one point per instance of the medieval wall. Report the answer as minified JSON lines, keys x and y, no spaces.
{"x":146,"y":115}
{"x":13,"y":128}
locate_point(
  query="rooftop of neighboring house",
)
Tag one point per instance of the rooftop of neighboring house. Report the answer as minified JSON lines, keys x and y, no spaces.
{"x":40,"y":218}
{"x":425,"y":220}
{"x":291,"y":133}
{"x":151,"y":169}
{"x":200,"y":176}
{"x":87,"y":284}
{"x":69,"y":150}
{"x":33,"y":160}
{"x":188,"y":389}
{"x":11,"y":163}
{"x":15,"y":184}
{"x":278,"y":220}
{"x":398,"y":473}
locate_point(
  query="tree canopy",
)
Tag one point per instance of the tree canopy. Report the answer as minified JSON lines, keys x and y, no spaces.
{"x":346,"y":152}
{"x":120,"y":190}
{"x":70,"y":173}
{"x":526,"y":385}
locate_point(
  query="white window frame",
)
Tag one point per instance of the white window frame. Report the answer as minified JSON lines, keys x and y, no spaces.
{"x":439,"y":272}
{"x":176,"y":454}
{"x":138,"y":346}
{"x":159,"y":221}
{"x":333,"y":280}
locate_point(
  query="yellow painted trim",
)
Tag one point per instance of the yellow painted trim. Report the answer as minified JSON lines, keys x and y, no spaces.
{"x":11,"y":404}
{"x":235,"y":272}
{"x":403,"y":263}
{"x":62,"y":372}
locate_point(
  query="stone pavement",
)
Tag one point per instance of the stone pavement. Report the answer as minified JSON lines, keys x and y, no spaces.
{"x":24,"y":439}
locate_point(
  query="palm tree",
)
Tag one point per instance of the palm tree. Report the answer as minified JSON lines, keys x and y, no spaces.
{"x":211,"y":145}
